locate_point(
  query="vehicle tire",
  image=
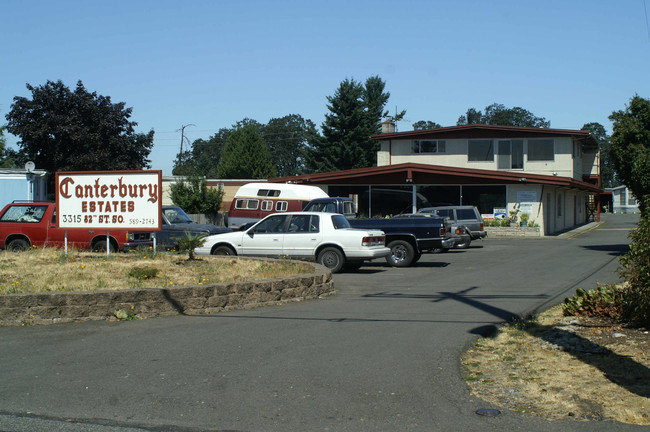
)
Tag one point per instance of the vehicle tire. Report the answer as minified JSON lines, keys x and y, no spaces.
{"x":223,"y":250}
{"x":332,"y":258}
{"x":416,"y":258}
{"x":18,"y":245}
{"x":464,"y":245}
{"x":402,"y":253}
{"x":100,"y":246}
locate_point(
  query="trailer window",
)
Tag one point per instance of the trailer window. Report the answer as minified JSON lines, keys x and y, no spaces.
{"x":268,"y":192}
{"x":248,"y":204}
{"x":281,"y":206}
{"x":267,"y":205}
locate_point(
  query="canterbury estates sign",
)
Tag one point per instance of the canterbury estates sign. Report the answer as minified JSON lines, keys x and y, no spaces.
{"x":109,"y":200}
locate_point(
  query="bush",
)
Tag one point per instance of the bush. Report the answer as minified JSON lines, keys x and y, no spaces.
{"x":603,"y":301}
{"x":635,"y":269}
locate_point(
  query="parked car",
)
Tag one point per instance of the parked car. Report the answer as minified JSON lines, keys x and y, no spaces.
{"x":462,"y":239}
{"x":176,"y":224}
{"x":468,"y":216}
{"x":407,"y":239}
{"x":326,"y":238}
{"x":27,"y":224}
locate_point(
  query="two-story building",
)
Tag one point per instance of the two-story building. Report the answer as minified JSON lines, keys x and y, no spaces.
{"x":551,"y":174}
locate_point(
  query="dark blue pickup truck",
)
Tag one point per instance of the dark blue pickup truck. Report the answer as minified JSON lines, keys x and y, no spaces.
{"x":407,"y":238}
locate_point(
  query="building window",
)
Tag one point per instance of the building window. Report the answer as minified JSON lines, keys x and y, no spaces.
{"x":510,"y":154}
{"x":428,"y":146}
{"x":630,"y":199}
{"x":541,"y":150}
{"x":480,"y":151}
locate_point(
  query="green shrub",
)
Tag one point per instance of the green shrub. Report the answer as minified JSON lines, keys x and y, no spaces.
{"x":603,"y":301}
{"x":189,"y":243}
{"x":635,"y":269}
{"x":142,"y":273}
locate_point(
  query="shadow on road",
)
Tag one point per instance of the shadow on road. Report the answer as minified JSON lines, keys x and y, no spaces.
{"x":614,"y":250}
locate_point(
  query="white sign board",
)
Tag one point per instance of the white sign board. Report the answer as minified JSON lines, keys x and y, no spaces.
{"x":109,"y":200}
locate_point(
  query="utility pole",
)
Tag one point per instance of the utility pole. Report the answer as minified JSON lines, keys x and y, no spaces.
{"x":182,"y":131}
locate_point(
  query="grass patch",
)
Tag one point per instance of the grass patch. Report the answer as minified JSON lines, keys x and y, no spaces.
{"x":46,"y":269}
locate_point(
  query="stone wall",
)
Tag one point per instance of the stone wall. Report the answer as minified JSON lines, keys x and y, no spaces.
{"x":56,"y":307}
{"x":513,"y":232}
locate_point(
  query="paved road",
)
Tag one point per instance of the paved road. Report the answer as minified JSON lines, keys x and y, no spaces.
{"x":381,"y":355}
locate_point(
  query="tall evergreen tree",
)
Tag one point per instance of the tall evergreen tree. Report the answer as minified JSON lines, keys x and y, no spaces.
{"x":246,"y":156}
{"x":345,"y":132}
{"x":355,"y":113}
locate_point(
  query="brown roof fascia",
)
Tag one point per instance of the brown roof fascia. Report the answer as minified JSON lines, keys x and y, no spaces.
{"x":402,"y":171}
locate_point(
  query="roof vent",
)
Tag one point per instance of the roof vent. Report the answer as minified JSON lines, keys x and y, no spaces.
{"x":388,"y":127}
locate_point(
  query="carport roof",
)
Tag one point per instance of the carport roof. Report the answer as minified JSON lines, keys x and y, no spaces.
{"x":413,"y":173}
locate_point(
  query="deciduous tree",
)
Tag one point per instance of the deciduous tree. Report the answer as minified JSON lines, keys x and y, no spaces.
{"x":193,"y":195}
{"x":287,"y":138}
{"x":425,"y":124}
{"x":62,"y":130}
{"x":499,"y":114}
{"x":607,"y":171}
{"x":246,"y":155}
{"x":630,"y":149}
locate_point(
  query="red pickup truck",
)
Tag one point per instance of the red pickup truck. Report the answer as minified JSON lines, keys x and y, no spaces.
{"x":27,"y":224}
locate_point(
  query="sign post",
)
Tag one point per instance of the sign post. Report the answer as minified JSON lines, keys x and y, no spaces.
{"x":105,"y":200}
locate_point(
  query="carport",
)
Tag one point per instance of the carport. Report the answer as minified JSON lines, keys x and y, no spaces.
{"x":555,"y":203}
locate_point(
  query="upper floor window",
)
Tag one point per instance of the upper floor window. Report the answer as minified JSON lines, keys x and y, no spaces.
{"x":480,"y":151}
{"x":428,"y":146}
{"x":541,"y":150}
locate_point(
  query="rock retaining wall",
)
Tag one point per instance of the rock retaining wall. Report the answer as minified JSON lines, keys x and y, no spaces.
{"x":510,"y":232}
{"x":56,"y":307}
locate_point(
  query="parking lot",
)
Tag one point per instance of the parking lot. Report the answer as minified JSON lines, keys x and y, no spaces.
{"x":381,"y":355}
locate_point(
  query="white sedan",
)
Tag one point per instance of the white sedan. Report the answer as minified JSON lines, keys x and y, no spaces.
{"x":324,"y":237}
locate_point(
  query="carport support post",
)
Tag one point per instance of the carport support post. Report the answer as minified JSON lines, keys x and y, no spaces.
{"x":108,"y":244}
{"x":65,"y":242}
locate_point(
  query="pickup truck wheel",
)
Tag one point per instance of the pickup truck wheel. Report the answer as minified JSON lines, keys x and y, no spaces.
{"x":402,"y":253}
{"x":18,"y":245}
{"x":100,"y":246}
{"x":222,"y":250}
{"x":332,"y":258}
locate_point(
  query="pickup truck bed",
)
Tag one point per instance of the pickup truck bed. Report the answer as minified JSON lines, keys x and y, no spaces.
{"x":408,"y":238}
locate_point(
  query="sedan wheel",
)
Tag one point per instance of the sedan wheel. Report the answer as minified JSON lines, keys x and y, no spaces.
{"x":223,"y":250}
{"x":332,"y":258}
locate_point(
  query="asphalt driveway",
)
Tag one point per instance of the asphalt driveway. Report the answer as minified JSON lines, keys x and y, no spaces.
{"x":381,"y":355}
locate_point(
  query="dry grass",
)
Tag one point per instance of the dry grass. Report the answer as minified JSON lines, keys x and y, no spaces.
{"x":565,"y":367}
{"x":46,"y":269}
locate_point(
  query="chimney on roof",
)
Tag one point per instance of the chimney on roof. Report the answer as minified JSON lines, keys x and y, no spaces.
{"x":388,"y":127}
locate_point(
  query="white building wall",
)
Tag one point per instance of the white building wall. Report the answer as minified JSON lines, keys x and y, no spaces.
{"x":400,"y":151}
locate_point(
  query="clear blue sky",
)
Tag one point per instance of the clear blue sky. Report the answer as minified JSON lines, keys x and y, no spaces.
{"x":213,"y":63}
